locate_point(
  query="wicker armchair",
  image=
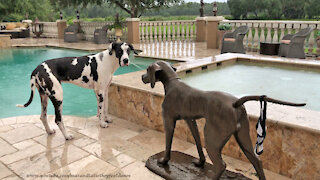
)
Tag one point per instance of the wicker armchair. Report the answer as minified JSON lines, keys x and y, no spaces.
{"x":292,"y":45}
{"x":233,"y":41}
{"x":70,"y":34}
{"x":100,"y":35}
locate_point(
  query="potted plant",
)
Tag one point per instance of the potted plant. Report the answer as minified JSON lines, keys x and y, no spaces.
{"x":222,"y":28}
{"x":117,"y":26}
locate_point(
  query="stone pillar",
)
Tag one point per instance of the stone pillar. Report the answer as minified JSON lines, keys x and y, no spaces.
{"x":133,"y":30}
{"x":5,"y":41}
{"x":61,"y":25}
{"x":212,"y":31}
{"x":201,"y":29}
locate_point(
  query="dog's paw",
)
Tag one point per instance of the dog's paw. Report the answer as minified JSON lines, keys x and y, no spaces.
{"x":103,"y":124}
{"x":108,"y":120}
{"x":163,"y":161}
{"x":69,"y":137}
{"x":198,"y":162}
{"x":52,"y":131}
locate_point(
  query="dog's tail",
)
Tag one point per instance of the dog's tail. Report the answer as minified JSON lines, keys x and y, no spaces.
{"x":32,"y":84}
{"x":244,"y":99}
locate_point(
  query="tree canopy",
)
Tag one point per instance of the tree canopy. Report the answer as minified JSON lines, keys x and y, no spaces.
{"x":274,"y":9}
{"x":133,"y":7}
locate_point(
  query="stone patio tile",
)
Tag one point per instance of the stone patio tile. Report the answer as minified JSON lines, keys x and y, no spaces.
{"x":28,"y":119}
{"x":89,"y":165}
{"x":121,"y":160}
{"x":128,"y":125}
{"x":107,"y":149}
{"x":56,"y":139}
{"x":9,"y":121}
{"x":138,"y":171}
{"x":83,"y":141}
{"x":5,"y":128}
{"x":1,"y":124}
{"x":25,"y":144}
{"x":155,"y":141}
{"x":6,"y":148}
{"x":22,"y":133}
{"x":49,"y":161}
{"x":74,"y":121}
{"x":4,"y":171}
{"x":110,"y":132}
{"x":139,"y":153}
{"x":12,"y":177}
{"x":28,"y":152}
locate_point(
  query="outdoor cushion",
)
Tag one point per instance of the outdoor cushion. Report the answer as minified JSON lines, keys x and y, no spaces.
{"x":10,"y":26}
{"x":230,"y":39}
{"x":285,"y":41}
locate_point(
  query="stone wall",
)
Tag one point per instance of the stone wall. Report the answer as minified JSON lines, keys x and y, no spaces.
{"x":292,"y":152}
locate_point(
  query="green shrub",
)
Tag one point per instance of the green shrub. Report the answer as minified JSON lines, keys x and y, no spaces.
{"x":224,"y":27}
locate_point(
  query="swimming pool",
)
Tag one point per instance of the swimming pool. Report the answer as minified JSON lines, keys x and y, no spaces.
{"x":247,"y":78}
{"x":16,"y":66}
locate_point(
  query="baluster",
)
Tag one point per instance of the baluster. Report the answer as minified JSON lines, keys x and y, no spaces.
{"x":297,"y":27}
{"x":262,"y":36}
{"x":233,"y":26}
{"x":142,"y":31}
{"x":155,"y":31}
{"x":256,"y":35}
{"x":164,"y":31}
{"x":178,"y":31}
{"x":275,"y":35}
{"x":173,"y":31}
{"x":250,"y":38}
{"x":183,"y":32}
{"x":169,"y":31}
{"x":187,"y":32}
{"x":245,"y":38}
{"x":268,"y":26}
{"x":151,"y":32}
{"x":311,"y":39}
{"x":191,"y":31}
{"x":318,"y":44}
{"x":147,"y":29}
{"x":282,"y":27}
{"x":160,"y":31}
{"x":289,"y":28}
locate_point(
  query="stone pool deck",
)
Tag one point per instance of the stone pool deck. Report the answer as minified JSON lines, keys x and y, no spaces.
{"x":120,"y":150}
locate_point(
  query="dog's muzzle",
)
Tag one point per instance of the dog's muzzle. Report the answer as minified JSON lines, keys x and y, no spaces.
{"x":126,"y":62}
{"x":145,"y":78}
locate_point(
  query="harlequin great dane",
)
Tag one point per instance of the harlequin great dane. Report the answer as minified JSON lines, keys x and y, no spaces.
{"x":92,"y":72}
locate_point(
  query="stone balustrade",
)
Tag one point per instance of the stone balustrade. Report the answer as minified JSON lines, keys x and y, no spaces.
{"x":50,"y":29}
{"x":273,"y":31}
{"x":167,"y":30}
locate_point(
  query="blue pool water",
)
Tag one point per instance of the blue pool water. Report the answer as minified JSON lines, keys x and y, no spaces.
{"x":16,"y":66}
{"x":293,"y":84}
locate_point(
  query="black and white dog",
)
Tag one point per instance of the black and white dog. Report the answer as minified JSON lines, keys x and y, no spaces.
{"x":92,"y":71}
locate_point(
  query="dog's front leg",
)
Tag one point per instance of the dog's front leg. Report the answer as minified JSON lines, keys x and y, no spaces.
{"x":101,"y":98}
{"x":192,"y":124}
{"x":169,"y":125}
{"x":106,"y":105}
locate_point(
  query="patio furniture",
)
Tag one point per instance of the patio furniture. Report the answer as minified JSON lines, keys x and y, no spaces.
{"x":292,"y":45}
{"x":70,"y":34}
{"x":100,"y":35}
{"x":233,"y":41}
{"x":269,"y":48}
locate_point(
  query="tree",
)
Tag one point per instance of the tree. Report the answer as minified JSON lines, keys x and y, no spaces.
{"x":133,"y":7}
{"x":312,"y":9}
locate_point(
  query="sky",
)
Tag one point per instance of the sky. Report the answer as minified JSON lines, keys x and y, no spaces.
{"x":205,"y":1}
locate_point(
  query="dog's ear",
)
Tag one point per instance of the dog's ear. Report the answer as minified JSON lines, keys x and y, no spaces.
{"x":111,"y":48}
{"x":132,"y":49}
{"x":152,"y":69}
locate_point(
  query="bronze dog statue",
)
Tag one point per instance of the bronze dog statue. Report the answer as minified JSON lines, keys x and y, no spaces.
{"x":224,"y":113}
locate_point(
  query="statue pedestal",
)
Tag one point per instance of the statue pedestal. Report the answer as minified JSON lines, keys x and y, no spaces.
{"x":180,"y":167}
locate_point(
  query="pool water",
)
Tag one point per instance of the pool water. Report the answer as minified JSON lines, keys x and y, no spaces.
{"x":281,"y":82}
{"x":16,"y":66}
